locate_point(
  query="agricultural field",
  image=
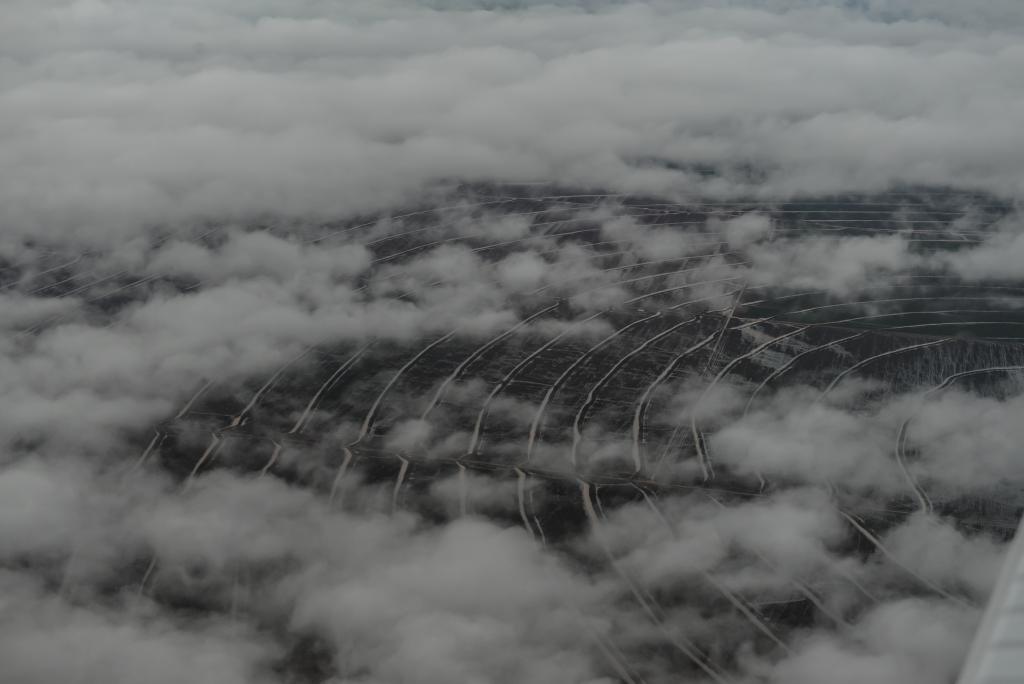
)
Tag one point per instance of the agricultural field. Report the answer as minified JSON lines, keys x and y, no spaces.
{"x":740,"y":420}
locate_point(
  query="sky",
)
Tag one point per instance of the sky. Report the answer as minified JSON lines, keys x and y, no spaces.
{"x":251,"y":217}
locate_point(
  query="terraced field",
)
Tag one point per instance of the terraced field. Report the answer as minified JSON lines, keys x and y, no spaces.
{"x":649,"y":369}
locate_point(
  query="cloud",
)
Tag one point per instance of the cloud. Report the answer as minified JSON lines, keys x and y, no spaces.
{"x":286,"y":286}
{"x":944,"y":555}
{"x":903,"y":641}
{"x":55,"y":640}
{"x":796,"y":437}
{"x":470,"y":603}
{"x":230,"y":111}
{"x":996,"y":258}
{"x":965,"y":440}
{"x":841,"y":266}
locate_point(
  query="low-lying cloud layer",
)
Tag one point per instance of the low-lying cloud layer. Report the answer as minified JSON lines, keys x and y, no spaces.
{"x":127,"y":115}
{"x":404,"y":341}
